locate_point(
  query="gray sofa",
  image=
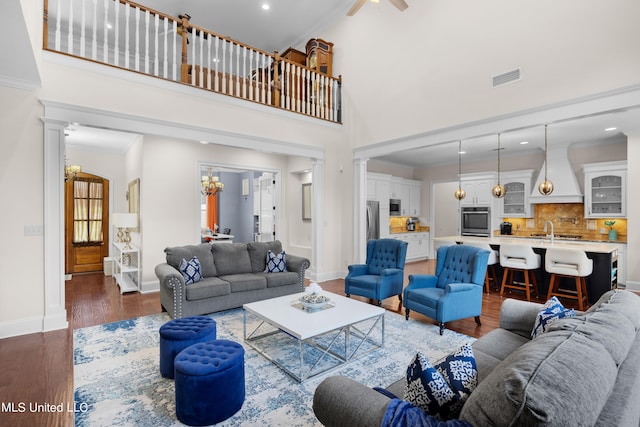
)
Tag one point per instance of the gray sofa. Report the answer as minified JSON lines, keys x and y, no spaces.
{"x":583,"y":371}
{"x":233,"y":275}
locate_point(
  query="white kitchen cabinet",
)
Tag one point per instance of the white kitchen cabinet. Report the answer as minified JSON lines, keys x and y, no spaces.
{"x":478,"y":192}
{"x":126,"y":267}
{"x":415,"y":190}
{"x":622,"y":264}
{"x":605,"y":190}
{"x":417,"y":244}
{"x":515,"y":204}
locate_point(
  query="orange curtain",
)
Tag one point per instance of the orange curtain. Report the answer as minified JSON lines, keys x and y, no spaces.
{"x":212,"y":211}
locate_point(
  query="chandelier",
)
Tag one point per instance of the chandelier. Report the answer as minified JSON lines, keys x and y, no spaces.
{"x":211,"y":185}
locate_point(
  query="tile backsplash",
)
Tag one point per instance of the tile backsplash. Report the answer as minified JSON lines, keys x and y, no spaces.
{"x":567,"y":218}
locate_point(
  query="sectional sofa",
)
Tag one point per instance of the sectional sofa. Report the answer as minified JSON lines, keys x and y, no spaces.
{"x":583,"y":371}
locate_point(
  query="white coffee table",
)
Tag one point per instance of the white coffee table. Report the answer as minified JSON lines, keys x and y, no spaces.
{"x":308,"y":343}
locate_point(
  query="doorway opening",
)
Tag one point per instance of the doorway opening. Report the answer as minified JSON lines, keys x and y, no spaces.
{"x":243,"y":209}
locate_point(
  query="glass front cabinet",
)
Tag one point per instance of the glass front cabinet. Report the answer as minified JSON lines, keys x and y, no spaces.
{"x":515,"y":203}
{"x":605,"y":190}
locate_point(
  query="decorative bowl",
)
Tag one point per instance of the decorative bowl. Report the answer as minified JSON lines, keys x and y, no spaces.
{"x":313,"y":300}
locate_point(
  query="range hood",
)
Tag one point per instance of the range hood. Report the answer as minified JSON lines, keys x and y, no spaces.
{"x":560,"y":173}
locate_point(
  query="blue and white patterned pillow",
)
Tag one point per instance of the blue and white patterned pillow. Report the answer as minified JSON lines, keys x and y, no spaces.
{"x":276,"y":263}
{"x":551,"y":311}
{"x":441,"y":390}
{"x":191,"y":270}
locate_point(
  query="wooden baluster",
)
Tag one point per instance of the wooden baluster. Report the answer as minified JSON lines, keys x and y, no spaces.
{"x":244,"y":72}
{"x":201,"y":60}
{"x":263,"y":97}
{"x":287,"y":97}
{"x":58,"y":32}
{"x":217,"y":61}
{"x":257,"y":77}
{"x":127,"y":37}
{"x":137,"y":54}
{"x":83,"y":24}
{"x":70,"y":32}
{"x":165,"y":62}
{"x":94,"y":40}
{"x":237,"y":76}
{"x":283,"y":76}
{"x":146,"y":41}
{"x":105,"y":43}
{"x":224,"y":66}
{"x":314,"y":95}
{"x":209,"y":61}
{"x":194,"y":42}
{"x":116,"y":33}
{"x":277,"y":82}
{"x":230,"y":75}
{"x":267,"y":69}
{"x":305,"y":91}
{"x":156,"y":38}
{"x":174,"y":64}
{"x":251,"y":77}
{"x":298,"y":80}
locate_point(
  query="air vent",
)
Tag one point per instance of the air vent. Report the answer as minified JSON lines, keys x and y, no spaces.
{"x":508,"y":77}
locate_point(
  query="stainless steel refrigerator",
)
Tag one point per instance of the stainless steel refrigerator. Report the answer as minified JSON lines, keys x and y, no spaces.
{"x":373,"y":220}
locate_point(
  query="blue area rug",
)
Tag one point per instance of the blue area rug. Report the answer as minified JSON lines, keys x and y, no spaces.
{"x":117,"y":377}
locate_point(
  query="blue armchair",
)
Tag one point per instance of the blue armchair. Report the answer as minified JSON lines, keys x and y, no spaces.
{"x":383,"y":274}
{"x":455,"y":291}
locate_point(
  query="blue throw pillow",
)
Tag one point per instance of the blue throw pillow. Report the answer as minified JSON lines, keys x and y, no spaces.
{"x":441,"y":390}
{"x":551,"y":311}
{"x":191,"y":270}
{"x":276,"y":263}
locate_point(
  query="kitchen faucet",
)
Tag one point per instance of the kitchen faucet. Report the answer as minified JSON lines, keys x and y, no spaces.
{"x":545,"y":229}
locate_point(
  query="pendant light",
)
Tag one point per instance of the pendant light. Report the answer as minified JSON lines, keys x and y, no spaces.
{"x":546,"y":187}
{"x":499,"y":191}
{"x":460,"y":193}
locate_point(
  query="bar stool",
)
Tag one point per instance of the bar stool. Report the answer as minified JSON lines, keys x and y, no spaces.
{"x":491,"y":263}
{"x":519,"y":258}
{"x":566,"y":262}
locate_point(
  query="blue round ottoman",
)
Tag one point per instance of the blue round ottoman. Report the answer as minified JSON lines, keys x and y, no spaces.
{"x":209,"y":382}
{"x":178,"y":334}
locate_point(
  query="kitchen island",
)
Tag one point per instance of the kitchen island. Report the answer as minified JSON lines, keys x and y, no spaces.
{"x":604,"y":256}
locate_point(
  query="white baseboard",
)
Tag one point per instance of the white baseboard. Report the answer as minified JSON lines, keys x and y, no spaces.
{"x":150,"y":286}
{"x":632,"y":286}
{"x":13,"y":328}
{"x":324,"y":276}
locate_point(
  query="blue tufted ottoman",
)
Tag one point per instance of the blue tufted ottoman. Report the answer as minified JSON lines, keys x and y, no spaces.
{"x":209,"y":382}
{"x":178,"y":334}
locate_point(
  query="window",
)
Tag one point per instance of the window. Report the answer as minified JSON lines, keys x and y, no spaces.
{"x":88,"y":195}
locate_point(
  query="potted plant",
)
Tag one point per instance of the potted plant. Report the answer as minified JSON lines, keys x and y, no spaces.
{"x":613,"y":234}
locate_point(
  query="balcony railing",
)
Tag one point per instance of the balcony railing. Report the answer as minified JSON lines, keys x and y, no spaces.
{"x":130,"y":36}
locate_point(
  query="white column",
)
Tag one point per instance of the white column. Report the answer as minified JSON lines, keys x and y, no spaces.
{"x":55,"y":314}
{"x":317,"y":218}
{"x":359,"y":210}
{"x":633,"y":210}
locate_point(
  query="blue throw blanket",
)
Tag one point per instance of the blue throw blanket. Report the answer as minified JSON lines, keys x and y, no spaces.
{"x":401,"y":413}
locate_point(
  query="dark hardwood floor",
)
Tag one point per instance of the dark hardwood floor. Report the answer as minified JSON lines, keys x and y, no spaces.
{"x":37,"y":369}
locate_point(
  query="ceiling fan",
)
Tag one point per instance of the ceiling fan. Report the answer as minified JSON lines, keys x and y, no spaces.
{"x":399,"y":4}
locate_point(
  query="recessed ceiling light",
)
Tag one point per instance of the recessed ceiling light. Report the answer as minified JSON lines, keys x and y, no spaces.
{"x":109,"y":26}
{"x":610,"y":129}
{"x":462,"y":152}
{"x":265,"y":6}
{"x":524,"y":142}
{"x":204,"y":142}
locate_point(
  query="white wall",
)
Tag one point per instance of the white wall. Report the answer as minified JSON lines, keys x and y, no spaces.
{"x":430,"y":66}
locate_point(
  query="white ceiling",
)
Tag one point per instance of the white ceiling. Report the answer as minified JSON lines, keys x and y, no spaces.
{"x":287,"y":23}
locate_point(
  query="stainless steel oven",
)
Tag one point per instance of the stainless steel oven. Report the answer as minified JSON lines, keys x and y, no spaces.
{"x":475,"y":221}
{"x":395,"y":207}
